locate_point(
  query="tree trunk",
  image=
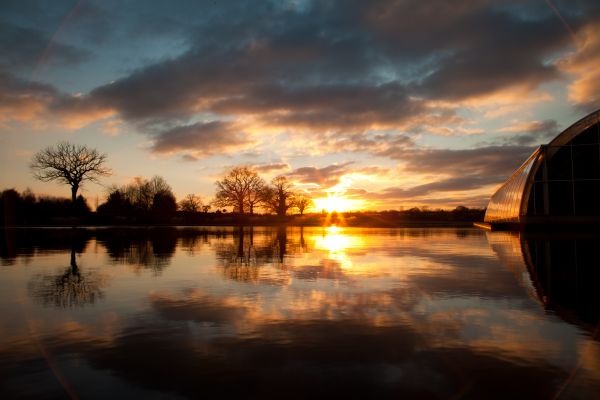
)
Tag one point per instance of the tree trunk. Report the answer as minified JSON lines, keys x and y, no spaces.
{"x":281,"y":209}
{"x":74,"y":267}
{"x":74,"y":189}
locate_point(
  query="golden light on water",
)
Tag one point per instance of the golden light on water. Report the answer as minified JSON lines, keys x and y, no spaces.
{"x":334,"y":241}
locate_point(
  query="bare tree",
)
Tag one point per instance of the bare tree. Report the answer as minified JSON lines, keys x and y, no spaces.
{"x":302,"y":202}
{"x":70,"y":164}
{"x":278,"y":197}
{"x":240,"y":189}
{"x":255,"y":194}
{"x":145,"y":194}
{"x":191,"y":203}
{"x":139,"y":193}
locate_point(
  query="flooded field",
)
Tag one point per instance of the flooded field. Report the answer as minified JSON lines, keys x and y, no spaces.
{"x":298,"y":312}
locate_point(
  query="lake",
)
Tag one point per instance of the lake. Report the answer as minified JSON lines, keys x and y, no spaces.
{"x":298,"y":313}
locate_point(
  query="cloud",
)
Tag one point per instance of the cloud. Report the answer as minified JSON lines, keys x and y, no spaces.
{"x":453,"y":171}
{"x":444,"y":185}
{"x":324,"y":177}
{"x":324,"y":69}
{"x":529,"y":133}
{"x":532,"y":127}
{"x":21,"y":100}
{"x":584,"y":91}
{"x":487,"y":161}
{"x":25,"y":47}
{"x":479,"y":49}
{"x":322,"y":78}
{"x":267,"y":168}
{"x":41,"y":104}
{"x":202,"y":139}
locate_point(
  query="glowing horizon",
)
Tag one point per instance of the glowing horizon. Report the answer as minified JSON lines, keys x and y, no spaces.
{"x":358,"y":117}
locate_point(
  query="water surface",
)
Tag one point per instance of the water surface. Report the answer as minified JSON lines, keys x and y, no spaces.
{"x":268,"y":312}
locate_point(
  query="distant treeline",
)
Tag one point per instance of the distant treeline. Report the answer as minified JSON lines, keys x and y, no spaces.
{"x":28,"y":209}
{"x":152,"y":202}
{"x":131,"y":206}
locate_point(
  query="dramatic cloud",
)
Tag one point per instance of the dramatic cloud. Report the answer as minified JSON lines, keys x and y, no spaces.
{"x":202,"y":139}
{"x":585,"y":89}
{"x":446,"y":185}
{"x":292,"y":77}
{"x":431,"y":89}
{"x":486,"y":161}
{"x":324,"y":177}
{"x":20,"y":100}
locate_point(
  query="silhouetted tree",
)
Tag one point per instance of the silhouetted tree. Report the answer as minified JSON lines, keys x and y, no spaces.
{"x":143,"y":195}
{"x":241,"y":189}
{"x":191,"y":203}
{"x":70,"y":164}
{"x":278,"y":197}
{"x":164,"y":203}
{"x":10,"y":206}
{"x":302,"y":202}
{"x":116,"y":203}
{"x":139,"y":193}
{"x":27,"y":208}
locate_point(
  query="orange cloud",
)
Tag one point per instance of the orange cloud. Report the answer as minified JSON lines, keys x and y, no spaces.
{"x":584,"y":65}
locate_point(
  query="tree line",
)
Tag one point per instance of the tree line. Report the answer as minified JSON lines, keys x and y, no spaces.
{"x":153,"y":201}
{"x":244,"y":190}
{"x":73,"y":165}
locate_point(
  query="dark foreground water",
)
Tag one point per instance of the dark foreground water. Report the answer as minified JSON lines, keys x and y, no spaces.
{"x":298,"y":313}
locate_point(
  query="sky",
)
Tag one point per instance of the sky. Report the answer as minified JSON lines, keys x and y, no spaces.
{"x":387,"y":104}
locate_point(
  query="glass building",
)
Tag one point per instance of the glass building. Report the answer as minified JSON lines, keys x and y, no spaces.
{"x":558,"y":183}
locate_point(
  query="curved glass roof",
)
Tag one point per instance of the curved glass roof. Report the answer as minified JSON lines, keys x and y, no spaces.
{"x":561,"y":179}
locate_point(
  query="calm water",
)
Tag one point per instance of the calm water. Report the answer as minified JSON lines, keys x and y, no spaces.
{"x":293,"y":313}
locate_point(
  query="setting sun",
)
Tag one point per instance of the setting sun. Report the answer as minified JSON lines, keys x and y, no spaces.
{"x":335,"y":202}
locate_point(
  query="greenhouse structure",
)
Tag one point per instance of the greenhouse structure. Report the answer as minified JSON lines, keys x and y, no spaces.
{"x":559,"y":184}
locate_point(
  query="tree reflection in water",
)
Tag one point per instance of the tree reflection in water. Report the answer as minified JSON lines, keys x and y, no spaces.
{"x":241,"y":258}
{"x":72,"y":288}
{"x":140,"y":248}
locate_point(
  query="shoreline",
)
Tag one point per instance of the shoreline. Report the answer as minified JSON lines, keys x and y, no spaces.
{"x":411,"y":224}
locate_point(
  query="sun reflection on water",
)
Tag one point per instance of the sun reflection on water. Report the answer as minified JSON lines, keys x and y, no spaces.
{"x":334,"y":241}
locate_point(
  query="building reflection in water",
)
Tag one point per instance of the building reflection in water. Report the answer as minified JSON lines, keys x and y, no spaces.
{"x":563,"y":271}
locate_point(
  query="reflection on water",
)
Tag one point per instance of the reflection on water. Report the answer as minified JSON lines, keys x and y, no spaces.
{"x":563,"y":269}
{"x":300,"y":312}
{"x":69,"y":288}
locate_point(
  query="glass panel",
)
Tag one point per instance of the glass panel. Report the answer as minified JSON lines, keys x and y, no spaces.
{"x":589,"y":136}
{"x":586,"y":161}
{"x":559,"y":165}
{"x":561,"y":198}
{"x":586,"y":197}
{"x":505,"y":205}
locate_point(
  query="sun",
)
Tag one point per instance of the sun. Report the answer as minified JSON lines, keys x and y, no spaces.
{"x":335,"y":202}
